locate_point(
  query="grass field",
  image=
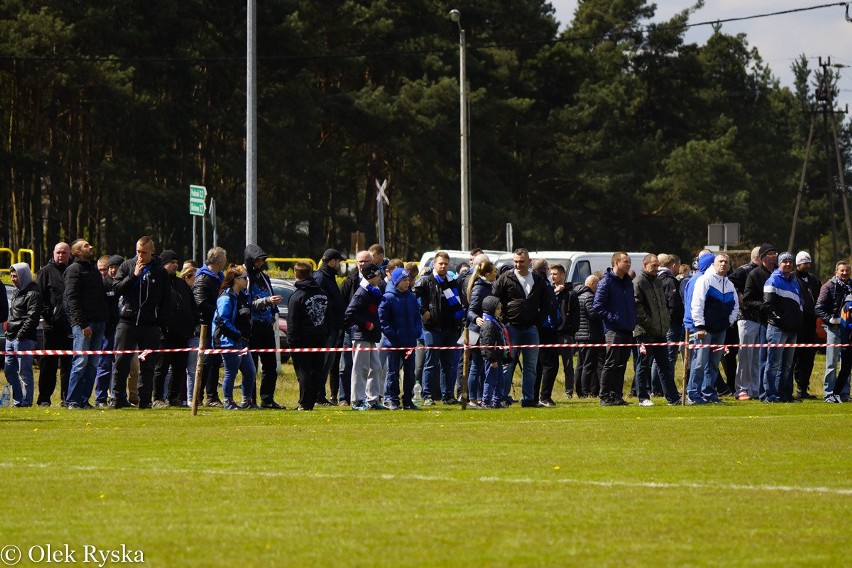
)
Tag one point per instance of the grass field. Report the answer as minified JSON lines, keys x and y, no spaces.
{"x":732,"y":485}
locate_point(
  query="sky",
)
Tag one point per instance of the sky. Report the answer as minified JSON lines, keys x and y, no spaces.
{"x":779,"y":39}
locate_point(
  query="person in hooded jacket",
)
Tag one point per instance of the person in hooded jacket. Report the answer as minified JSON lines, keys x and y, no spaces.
{"x":714,"y":306}
{"x":145,"y":299}
{"x":362,"y":316}
{"x":495,"y":345}
{"x":231,"y":330}
{"x":705,"y":261}
{"x":264,"y":308}
{"x":205,"y":291}
{"x":21,"y":327}
{"x":589,"y":331}
{"x":106,"y":362}
{"x":4,"y":317}
{"x":399,"y":316}
{"x":86,"y":302}
{"x":179,"y":328}
{"x":326,"y":277}
{"x":307,"y":326}
{"x":57,"y":329}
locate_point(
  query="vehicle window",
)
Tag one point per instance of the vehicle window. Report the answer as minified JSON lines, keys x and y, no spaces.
{"x":584,"y":270}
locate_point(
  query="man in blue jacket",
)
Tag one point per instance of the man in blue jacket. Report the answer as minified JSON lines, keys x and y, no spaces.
{"x":782,"y":299}
{"x":615,"y":304}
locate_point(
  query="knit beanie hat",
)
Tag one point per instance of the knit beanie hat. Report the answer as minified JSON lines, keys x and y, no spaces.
{"x":765,"y":249}
{"x":398,"y":275}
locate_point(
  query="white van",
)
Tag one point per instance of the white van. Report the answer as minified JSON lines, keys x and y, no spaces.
{"x":578,"y":264}
{"x":457,"y":257}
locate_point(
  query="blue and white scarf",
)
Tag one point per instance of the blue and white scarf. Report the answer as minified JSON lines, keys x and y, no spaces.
{"x":451,"y":293}
{"x":374,"y":290}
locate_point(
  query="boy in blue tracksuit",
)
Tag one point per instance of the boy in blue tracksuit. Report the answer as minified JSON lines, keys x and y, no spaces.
{"x":399,"y":315}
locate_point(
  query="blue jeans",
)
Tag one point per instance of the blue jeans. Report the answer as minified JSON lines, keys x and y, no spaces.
{"x":441,"y":362}
{"x":475,"y":375}
{"x":492,"y":388}
{"x":673,"y":335}
{"x":657,"y":356}
{"x":523,"y":336}
{"x":748,"y":361}
{"x":84,"y":367}
{"x":702,"y":377}
{"x":19,"y":371}
{"x":834,"y":334}
{"x":397,"y":361}
{"x":234,"y":362}
{"x":104,"y":372}
{"x":191,"y":364}
{"x":778,"y":380}
{"x":345,"y":370}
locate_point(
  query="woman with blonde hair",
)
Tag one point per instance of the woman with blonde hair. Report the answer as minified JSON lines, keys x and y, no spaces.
{"x":478,"y":288}
{"x":231,"y":330}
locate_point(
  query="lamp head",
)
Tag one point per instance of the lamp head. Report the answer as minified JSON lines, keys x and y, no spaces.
{"x":455,"y":15}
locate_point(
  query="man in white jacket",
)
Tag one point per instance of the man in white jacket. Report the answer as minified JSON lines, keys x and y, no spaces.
{"x":715,"y":306}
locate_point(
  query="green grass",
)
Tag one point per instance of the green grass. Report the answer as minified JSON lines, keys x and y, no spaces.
{"x":738,"y":484}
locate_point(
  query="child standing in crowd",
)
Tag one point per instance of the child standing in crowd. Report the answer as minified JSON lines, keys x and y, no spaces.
{"x":231,"y":330}
{"x":493,"y":341}
{"x":399,"y":315}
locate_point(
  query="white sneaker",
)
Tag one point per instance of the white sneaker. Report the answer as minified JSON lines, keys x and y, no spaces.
{"x":646,"y":402}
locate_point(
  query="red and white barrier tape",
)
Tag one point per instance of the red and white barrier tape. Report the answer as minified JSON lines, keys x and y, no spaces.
{"x":642,"y":348}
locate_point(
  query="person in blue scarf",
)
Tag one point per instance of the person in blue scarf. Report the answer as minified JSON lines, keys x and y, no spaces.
{"x":232,"y":330}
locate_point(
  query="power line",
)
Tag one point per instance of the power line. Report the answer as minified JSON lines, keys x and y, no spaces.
{"x":372,"y":54}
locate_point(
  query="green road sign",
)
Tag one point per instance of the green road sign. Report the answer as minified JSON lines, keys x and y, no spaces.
{"x":197,"y":199}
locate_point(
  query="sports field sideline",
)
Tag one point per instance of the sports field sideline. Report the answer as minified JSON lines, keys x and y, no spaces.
{"x":737,"y":484}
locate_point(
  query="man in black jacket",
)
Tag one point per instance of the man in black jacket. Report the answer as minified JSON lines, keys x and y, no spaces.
{"x":179,"y":328}
{"x":307,"y":326}
{"x":526,"y":299}
{"x":443,"y":316}
{"x":57,"y":330}
{"x":145,"y":299}
{"x":752,"y":364}
{"x":86,"y":301}
{"x":803,"y":357}
{"x":205,"y":291}
{"x":106,"y":362}
{"x":568,"y":304}
{"x":669,"y":264}
{"x":547,"y":365}
{"x":832,"y":296}
{"x":326,"y":277}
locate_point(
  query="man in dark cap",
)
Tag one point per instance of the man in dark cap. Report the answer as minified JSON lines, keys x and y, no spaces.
{"x":753,"y":360}
{"x":264,"y":308}
{"x":326,"y":277}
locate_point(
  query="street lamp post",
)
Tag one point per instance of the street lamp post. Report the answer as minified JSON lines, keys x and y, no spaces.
{"x":455,"y":16}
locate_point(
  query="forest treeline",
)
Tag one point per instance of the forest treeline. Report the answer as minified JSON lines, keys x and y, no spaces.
{"x":610,"y":133}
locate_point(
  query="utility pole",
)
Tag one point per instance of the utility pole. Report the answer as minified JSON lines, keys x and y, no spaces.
{"x":825,"y":103}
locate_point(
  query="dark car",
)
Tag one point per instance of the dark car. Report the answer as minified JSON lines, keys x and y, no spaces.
{"x":285,"y":289}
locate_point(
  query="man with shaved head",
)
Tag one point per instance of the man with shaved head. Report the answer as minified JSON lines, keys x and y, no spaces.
{"x":57,"y":329}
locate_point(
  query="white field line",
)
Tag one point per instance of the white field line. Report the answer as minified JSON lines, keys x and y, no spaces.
{"x":446,"y":479}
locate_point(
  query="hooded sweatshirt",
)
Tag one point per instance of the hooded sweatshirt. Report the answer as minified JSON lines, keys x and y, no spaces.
{"x":715,"y":303}
{"x":704,"y":262}
{"x":259,"y":288}
{"x":26,"y":306}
